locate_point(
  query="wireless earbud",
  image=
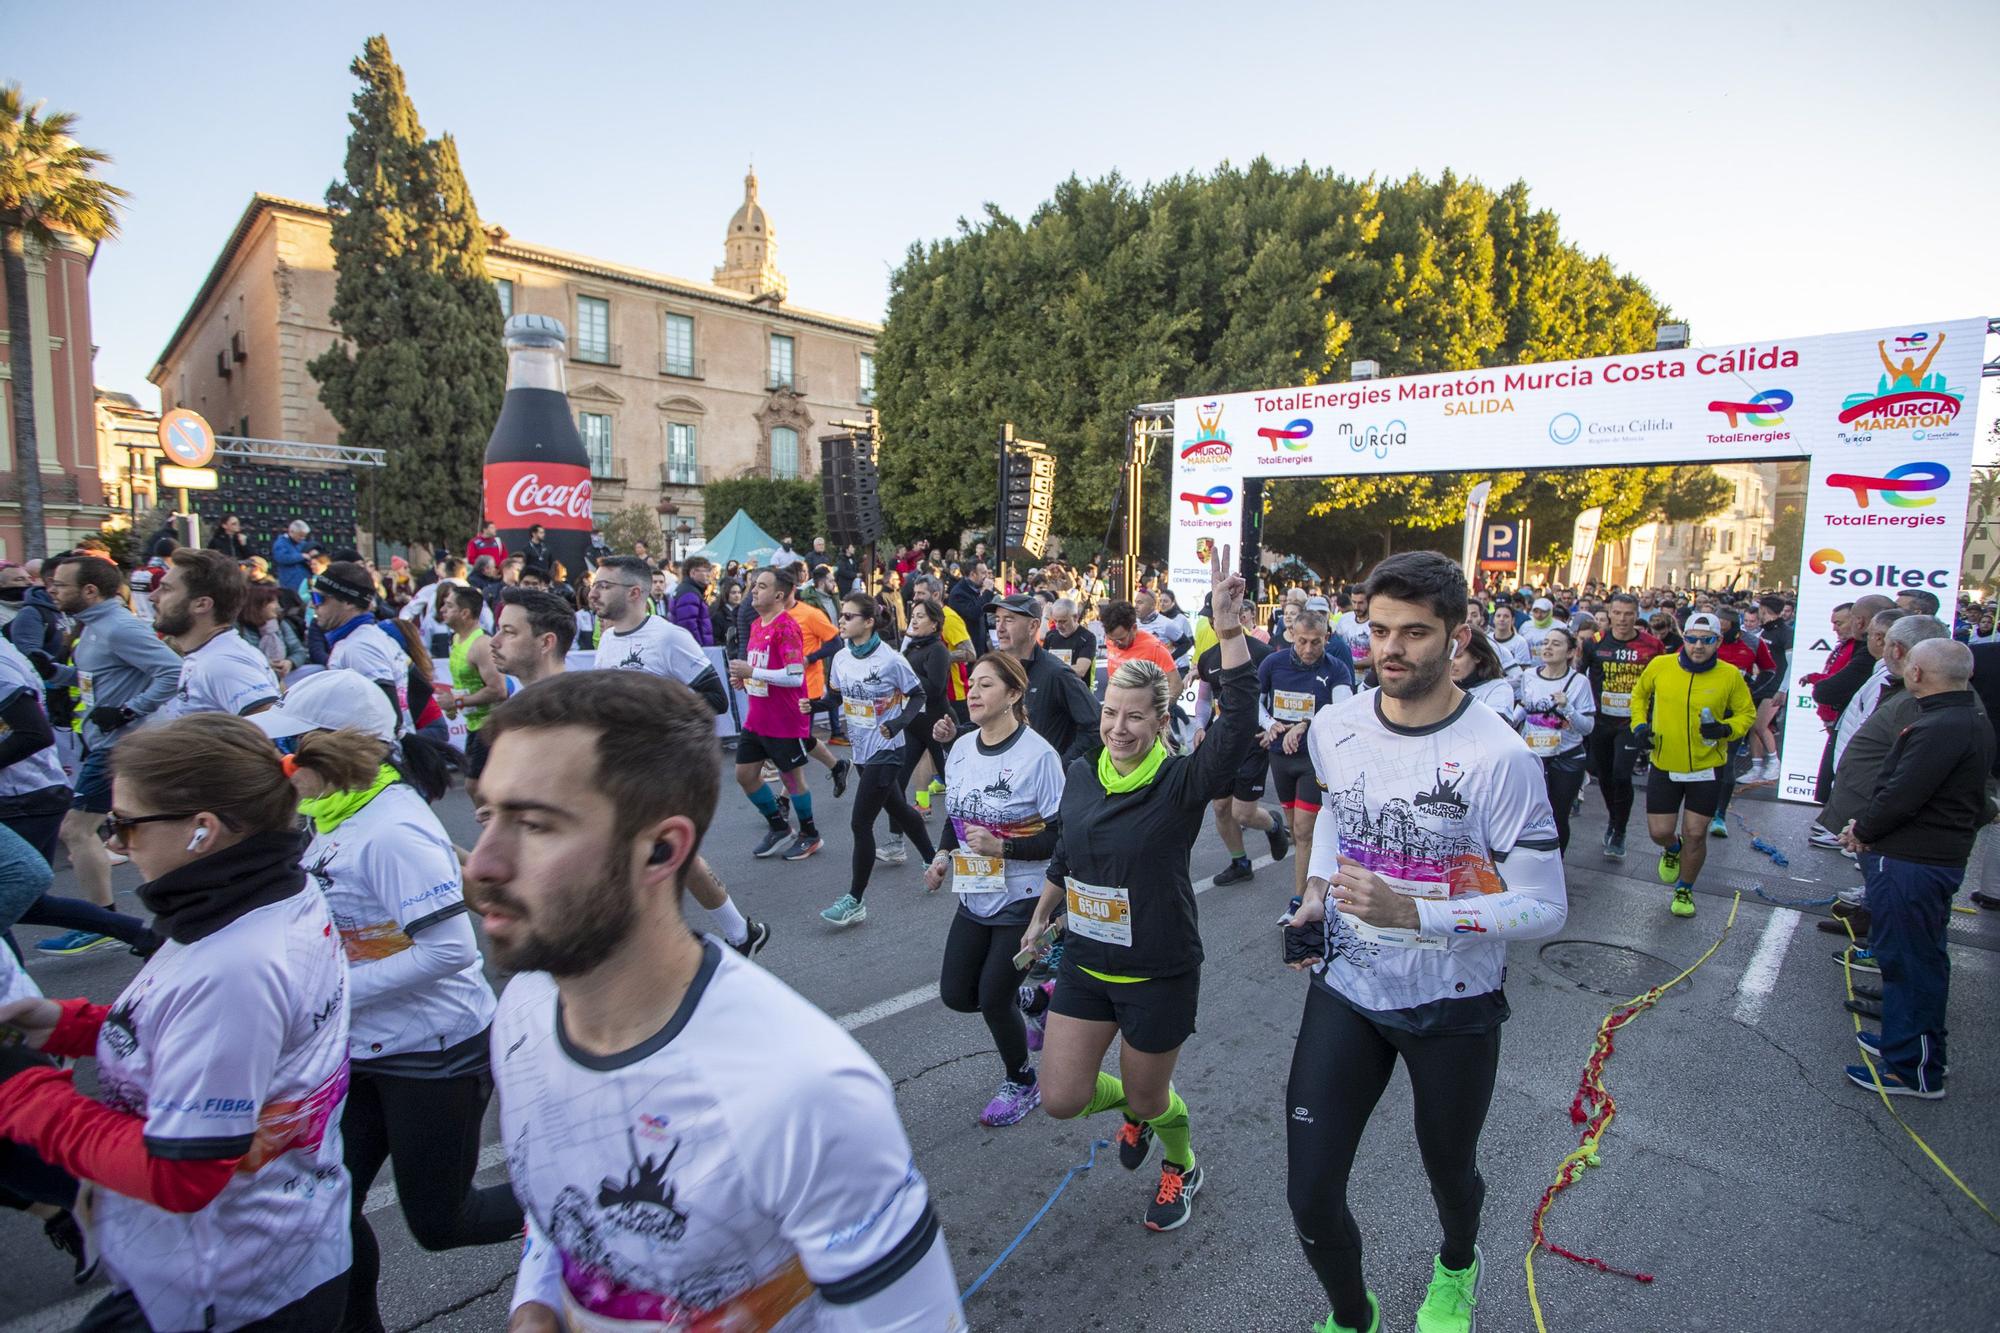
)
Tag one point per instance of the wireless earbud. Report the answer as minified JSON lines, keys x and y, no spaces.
{"x":660,"y":854}
{"x":200,"y":837}
{"x":1454,"y":651}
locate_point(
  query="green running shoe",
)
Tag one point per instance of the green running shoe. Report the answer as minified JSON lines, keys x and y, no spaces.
{"x":1683,"y":903}
{"x":1670,"y":863}
{"x":1327,"y":1325}
{"x":1453,"y":1303}
{"x":847,"y":910}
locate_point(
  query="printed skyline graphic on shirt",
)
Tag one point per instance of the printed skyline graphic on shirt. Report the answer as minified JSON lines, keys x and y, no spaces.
{"x":605,"y":1241}
{"x":986,"y":807}
{"x":1423,"y":841}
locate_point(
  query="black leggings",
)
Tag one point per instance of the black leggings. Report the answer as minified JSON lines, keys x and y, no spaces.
{"x":917,"y":743}
{"x":429,"y":1129}
{"x":879,"y":787}
{"x":1339,"y":1068}
{"x":979,"y":973}
{"x":1612,"y":756}
{"x":1564,"y":777}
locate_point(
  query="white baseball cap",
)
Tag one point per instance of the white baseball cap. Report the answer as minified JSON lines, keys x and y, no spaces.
{"x":1318,"y":604}
{"x":327,"y":701}
{"x":1544,"y":604}
{"x":1702,"y":623}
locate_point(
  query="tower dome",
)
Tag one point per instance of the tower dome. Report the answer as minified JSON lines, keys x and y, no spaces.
{"x":750,"y":248}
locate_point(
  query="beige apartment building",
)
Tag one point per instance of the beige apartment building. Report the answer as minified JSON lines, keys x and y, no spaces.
{"x":674,"y":381}
{"x":1728,"y":546}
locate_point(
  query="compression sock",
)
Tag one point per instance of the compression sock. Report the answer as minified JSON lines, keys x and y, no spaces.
{"x":734,"y":928}
{"x":1674,"y":848}
{"x":1241,"y":859}
{"x":1172,"y":1127}
{"x":803,"y":803}
{"x":767,"y":804}
{"x":1110,"y":1095}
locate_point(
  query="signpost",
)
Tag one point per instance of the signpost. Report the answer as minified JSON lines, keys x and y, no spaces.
{"x":189,"y":441}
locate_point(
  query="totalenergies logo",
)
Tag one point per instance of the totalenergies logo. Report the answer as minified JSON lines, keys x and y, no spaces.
{"x":1907,"y":395}
{"x":1759,"y":409}
{"x":1213,"y":502}
{"x":1904,"y":487}
{"x":1292,"y":435}
{"x":1824,"y":559}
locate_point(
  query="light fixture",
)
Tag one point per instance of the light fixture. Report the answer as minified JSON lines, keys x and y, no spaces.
{"x":1363,"y":370}
{"x":1670,"y":338}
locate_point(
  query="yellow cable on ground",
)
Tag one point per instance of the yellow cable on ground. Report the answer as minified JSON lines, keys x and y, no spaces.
{"x":1875,"y":1075}
{"x":1594,"y":1109}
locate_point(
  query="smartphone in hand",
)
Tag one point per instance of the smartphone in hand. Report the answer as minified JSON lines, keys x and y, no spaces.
{"x":1048,"y":937}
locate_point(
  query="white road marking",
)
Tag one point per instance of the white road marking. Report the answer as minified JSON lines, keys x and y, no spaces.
{"x":1760,"y":977}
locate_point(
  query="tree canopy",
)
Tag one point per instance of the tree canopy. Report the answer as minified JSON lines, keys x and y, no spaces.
{"x":1112,"y":295}
{"x":422,"y":371}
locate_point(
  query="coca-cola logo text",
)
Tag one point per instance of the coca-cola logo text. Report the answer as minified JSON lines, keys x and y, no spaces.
{"x":530,"y":496}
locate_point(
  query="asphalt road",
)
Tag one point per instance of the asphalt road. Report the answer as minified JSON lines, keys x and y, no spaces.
{"x":1762,"y":1190}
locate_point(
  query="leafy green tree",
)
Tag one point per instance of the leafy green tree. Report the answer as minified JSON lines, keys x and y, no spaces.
{"x":633,"y":524}
{"x":1111,"y":296}
{"x":421,"y":372}
{"x":48,"y":187}
{"x":781,"y":507}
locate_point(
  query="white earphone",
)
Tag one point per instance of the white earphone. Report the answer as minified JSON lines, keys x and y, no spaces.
{"x":200,"y":837}
{"x":1454,"y":651}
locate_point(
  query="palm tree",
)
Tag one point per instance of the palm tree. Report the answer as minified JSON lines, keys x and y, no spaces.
{"x":46,"y":187}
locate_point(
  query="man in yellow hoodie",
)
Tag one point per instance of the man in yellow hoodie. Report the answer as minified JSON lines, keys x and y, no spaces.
{"x":1688,"y":708}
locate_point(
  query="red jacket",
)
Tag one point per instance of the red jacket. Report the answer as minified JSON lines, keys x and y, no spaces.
{"x":1835,"y":660}
{"x":1745,"y":653}
{"x":479,"y":546}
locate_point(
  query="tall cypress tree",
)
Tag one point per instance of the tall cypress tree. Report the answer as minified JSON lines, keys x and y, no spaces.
{"x":422,"y":372}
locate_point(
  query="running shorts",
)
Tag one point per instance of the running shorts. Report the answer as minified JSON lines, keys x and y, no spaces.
{"x":1664,"y":796}
{"x":784,"y":753}
{"x":1154,"y":1016}
{"x":93,"y":782}
{"x":1293,"y":779}
{"x":1250,"y":778}
{"x":476,"y":749}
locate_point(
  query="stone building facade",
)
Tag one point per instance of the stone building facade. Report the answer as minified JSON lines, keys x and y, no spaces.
{"x":65,"y":414}
{"x":674,"y":381}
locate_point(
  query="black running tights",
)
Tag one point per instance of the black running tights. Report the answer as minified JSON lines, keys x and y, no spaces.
{"x":878,"y":786}
{"x":1339,"y":1069}
{"x":429,"y":1129}
{"x":979,"y":974}
{"x":1564,"y":778}
{"x":1612,"y":757}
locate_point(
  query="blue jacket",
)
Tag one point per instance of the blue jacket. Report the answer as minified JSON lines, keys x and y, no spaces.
{"x":689,"y":610}
{"x":288,"y":561}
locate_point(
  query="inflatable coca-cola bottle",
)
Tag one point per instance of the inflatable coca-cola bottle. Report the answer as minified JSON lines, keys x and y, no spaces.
{"x":536,"y":469}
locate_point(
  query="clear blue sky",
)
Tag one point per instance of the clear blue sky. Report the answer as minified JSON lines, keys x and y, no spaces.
{"x":1769,"y":169}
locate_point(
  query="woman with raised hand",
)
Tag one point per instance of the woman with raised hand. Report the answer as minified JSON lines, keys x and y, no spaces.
{"x":1131,"y":965}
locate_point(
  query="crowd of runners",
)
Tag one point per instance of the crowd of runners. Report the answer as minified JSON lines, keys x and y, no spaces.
{"x":315,"y":1003}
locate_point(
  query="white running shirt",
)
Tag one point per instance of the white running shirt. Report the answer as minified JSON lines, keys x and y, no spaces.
{"x":224,"y":675}
{"x":389,"y":874}
{"x":234,"y":1044}
{"x":1435,"y":813}
{"x":655,"y":645}
{"x":873,"y":690}
{"x":376,"y":653}
{"x":713,"y":1176}
{"x":42,"y":769}
{"x":1011,"y":793}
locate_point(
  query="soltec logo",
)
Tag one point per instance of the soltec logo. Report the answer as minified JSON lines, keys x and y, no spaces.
{"x":1766,"y":408}
{"x":1903,"y":487}
{"x":1292,"y":435}
{"x":1832,"y":564}
{"x":1214,"y":501}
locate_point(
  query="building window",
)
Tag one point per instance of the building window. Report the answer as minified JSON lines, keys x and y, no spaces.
{"x":784,"y":450}
{"x":595,"y":428}
{"x":867,"y":394}
{"x":679,"y":358}
{"x":681,"y":466}
{"x":1729,"y":540}
{"x":1979,"y":559}
{"x":593,"y":329}
{"x":781,"y":362}
{"x":504,"y":288}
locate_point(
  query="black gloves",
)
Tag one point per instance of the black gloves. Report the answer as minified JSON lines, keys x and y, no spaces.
{"x":44,"y":665}
{"x":1642,"y":735}
{"x":1715,"y":731}
{"x":110,"y":717}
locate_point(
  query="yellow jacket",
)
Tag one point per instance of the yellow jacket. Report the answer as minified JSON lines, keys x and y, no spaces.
{"x":1670,"y":698}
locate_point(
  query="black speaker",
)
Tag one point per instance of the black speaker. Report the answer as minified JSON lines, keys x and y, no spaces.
{"x":1252,"y":554}
{"x":851,"y":489}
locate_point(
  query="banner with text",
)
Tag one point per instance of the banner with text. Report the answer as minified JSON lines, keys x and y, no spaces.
{"x":1475,"y":518}
{"x":1583,"y":544}
{"x":1886,"y":418}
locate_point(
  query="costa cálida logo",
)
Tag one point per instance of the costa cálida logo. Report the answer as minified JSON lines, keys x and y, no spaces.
{"x":520,"y":495}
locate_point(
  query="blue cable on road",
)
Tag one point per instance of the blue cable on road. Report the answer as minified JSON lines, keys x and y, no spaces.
{"x":1778,"y":858}
{"x":1015,"y":1244}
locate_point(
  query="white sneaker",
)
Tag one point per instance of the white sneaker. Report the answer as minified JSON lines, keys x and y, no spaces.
{"x":893,"y":851}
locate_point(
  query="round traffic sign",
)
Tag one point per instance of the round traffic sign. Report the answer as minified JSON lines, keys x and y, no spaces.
{"x":187,"y":438}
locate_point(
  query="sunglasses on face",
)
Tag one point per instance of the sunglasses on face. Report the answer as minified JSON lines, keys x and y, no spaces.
{"x":115,"y":827}
{"x":1699,"y":640}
